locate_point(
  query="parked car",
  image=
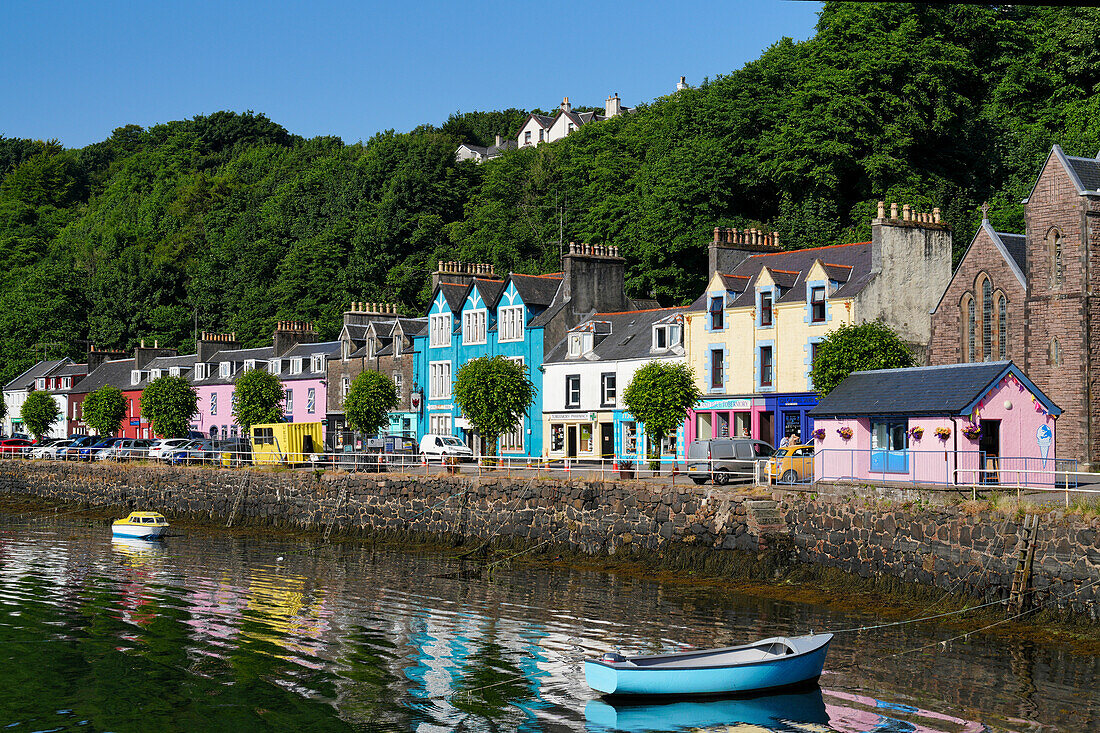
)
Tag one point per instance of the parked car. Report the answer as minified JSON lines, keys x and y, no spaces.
{"x":195,"y":451}
{"x":14,"y":446}
{"x":791,"y":464}
{"x":89,"y":452}
{"x":438,"y":446}
{"x":234,"y":452}
{"x":71,"y":452}
{"x":49,"y":450}
{"x":161,"y":448}
{"x":724,"y":459}
{"x":126,"y":449}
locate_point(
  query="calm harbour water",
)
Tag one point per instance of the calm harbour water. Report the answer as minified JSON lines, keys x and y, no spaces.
{"x":210,"y":631}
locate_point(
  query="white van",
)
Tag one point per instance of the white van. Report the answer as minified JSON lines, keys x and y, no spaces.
{"x":437,"y":446}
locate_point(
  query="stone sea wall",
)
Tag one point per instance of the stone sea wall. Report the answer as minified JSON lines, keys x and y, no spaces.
{"x":946,"y":547}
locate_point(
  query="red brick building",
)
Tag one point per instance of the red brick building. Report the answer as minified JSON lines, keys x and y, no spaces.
{"x":1034,"y":298}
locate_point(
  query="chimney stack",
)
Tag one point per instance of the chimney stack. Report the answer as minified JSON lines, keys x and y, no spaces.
{"x":682,"y":84}
{"x":613,"y":106}
{"x":461,"y":273}
{"x":594,"y":278}
{"x":210,"y":343}
{"x":731,"y":247}
{"x":498,"y":140}
{"x":289,"y":334}
{"x":565,"y":106}
{"x":97,"y":356}
{"x":144,"y":354}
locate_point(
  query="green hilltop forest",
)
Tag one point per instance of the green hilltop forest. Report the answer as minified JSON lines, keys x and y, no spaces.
{"x":229,"y":221}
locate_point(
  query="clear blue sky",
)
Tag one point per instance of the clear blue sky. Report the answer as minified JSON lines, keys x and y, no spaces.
{"x":76,"y":70}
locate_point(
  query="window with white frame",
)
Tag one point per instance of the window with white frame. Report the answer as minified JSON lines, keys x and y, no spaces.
{"x":665,"y":337}
{"x":575,"y":344}
{"x":296,"y":365}
{"x":154,"y":373}
{"x":249,"y":364}
{"x":397,"y":339}
{"x":439,"y":424}
{"x":346,"y":348}
{"x":274,"y":365}
{"x":573,"y":390}
{"x":41,"y":383}
{"x":473,"y":326}
{"x":608,"y":391}
{"x":200,"y":370}
{"x":317,"y":363}
{"x":225,"y":369}
{"x":440,"y":377}
{"x":174,"y":371}
{"x":345,"y":386}
{"x":513,"y":442}
{"x":311,"y":400}
{"x":289,"y":401}
{"x":440,"y":329}
{"x":213,"y":403}
{"x":510,"y":323}
{"x":66,"y":382}
{"x":398,"y":378}
{"x":135,"y":377}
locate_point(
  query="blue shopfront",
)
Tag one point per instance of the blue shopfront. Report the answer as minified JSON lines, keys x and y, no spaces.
{"x":792,"y":417}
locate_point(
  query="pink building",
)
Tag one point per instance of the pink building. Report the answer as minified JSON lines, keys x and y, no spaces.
{"x":975,"y":423}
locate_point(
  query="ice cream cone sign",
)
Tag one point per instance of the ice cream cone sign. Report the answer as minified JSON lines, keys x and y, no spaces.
{"x":1044,"y":437}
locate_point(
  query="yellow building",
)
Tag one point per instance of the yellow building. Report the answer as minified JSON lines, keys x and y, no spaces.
{"x":752,"y":336}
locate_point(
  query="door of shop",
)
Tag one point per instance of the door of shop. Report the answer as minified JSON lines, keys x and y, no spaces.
{"x":767,"y":427}
{"x":571,"y":441}
{"x":607,"y":440}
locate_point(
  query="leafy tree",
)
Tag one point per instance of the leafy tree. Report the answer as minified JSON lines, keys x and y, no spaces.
{"x":659,"y":396}
{"x":39,"y":413}
{"x":104,"y":410}
{"x":3,"y":409}
{"x":853,"y":348}
{"x":260,"y":398}
{"x":169,"y":403}
{"x":495,"y":394}
{"x":368,"y":402}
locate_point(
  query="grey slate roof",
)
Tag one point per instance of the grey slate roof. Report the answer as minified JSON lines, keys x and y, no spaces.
{"x":1016,"y":244}
{"x":115,"y":372}
{"x":536,"y":290}
{"x":304,"y":352}
{"x":490,"y":290}
{"x":454,"y":293}
{"x":40,"y":369}
{"x":949,"y":390}
{"x":71,"y":370}
{"x":1087,"y":171}
{"x":234,"y":356}
{"x":630,"y":336}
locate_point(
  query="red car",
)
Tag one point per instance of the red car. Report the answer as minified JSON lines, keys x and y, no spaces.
{"x":15,"y":445}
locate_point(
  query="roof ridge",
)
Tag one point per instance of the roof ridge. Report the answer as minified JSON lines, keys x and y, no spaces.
{"x":931,"y":367}
{"x":833,"y":264}
{"x":806,"y":249}
{"x":641,"y":310}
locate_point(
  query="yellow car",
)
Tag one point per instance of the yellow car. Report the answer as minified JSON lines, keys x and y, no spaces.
{"x":791,"y":464}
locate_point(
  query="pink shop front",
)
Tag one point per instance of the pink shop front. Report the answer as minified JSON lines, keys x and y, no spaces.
{"x":960,"y":424}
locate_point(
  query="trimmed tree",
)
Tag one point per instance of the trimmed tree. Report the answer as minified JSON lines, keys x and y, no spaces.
{"x":260,"y":398}
{"x":104,"y":410}
{"x":369,"y":401}
{"x":494,"y":393}
{"x":169,"y":403}
{"x":39,"y":413}
{"x":659,"y":396}
{"x":855,"y":348}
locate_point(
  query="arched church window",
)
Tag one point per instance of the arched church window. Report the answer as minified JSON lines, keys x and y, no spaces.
{"x":970,"y":355}
{"x":1054,"y":249}
{"x":1002,"y":328}
{"x":987,"y":320}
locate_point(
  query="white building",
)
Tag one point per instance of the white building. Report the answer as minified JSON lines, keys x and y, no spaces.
{"x":542,"y":129}
{"x":56,"y":376}
{"x":480,"y":153}
{"x":586,"y":374}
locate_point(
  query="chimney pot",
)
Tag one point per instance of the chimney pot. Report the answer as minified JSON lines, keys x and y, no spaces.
{"x":143,"y":343}
{"x":906,"y":212}
{"x":893,"y":209}
{"x":936,"y":215}
{"x":498,"y":140}
{"x":881,"y":210}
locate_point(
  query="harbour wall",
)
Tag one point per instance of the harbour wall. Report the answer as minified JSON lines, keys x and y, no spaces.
{"x":950,"y":547}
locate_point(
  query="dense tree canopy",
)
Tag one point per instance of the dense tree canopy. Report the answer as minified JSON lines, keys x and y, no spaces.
{"x":854,"y":348}
{"x":104,"y":410}
{"x":495,"y":393}
{"x":369,"y":401}
{"x":228,"y":222}
{"x":168,"y":403}
{"x":39,"y":413}
{"x":259,"y":399}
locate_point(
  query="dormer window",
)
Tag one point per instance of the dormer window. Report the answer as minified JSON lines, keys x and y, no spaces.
{"x":397,"y":339}
{"x":41,"y":383}
{"x":200,"y":370}
{"x":249,"y":364}
{"x":575,"y":344}
{"x":174,"y":371}
{"x":474,"y":327}
{"x":154,"y":373}
{"x":135,"y":376}
{"x":765,"y":309}
{"x":440,"y":328}
{"x":225,"y":369}
{"x":274,"y":365}
{"x":317,"y":363}
{"x":717,"y":320}
{"x":66,"y":382}
{"x":296,"y":365}
{"x":665,"y":337}
{"x":817,"y":304}
{"x":345,"y":350}
{"x":510,"y":323}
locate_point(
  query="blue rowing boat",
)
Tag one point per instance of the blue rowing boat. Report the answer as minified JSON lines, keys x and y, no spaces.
{"x":771,"y":664}
{"x":767,"y":712}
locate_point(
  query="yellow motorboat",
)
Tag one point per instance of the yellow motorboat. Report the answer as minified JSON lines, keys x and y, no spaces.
{"x":142,"y":525}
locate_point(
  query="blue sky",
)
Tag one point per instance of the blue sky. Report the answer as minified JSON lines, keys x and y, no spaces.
{"x":76,"y":70}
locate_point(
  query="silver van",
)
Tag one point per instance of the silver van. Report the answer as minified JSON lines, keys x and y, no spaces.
{"x":725,"y":459}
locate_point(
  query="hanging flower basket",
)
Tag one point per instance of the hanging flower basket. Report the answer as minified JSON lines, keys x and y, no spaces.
{"x":943,"y":433}
{"x":916,"y":432}
{"x":845,"y":432}
{"x":819,"y":434}
{"x":972,"y":431}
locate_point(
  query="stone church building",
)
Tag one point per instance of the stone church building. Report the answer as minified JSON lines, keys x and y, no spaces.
{"x":1034,"y":298}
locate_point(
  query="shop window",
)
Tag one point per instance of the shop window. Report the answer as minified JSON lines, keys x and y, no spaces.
{"x":557,"y":437}
{"x":889,"y":446}
{"x":585,"y":433}
{"x":703,"y":426}
{"x":722,"y":428}
{"x":630,"y":438}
